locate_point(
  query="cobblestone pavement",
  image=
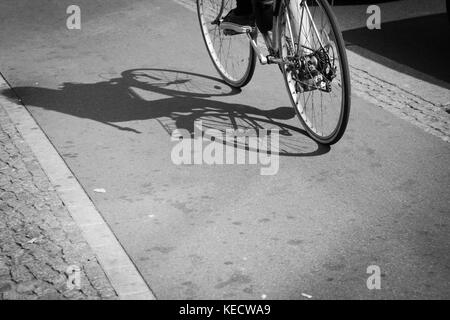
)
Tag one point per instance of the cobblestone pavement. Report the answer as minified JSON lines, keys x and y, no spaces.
{"x":432,"y":117}
{"x":39,"y":241}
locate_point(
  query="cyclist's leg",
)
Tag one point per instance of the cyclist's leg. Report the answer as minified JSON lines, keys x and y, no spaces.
{"x":264,"y":14}
{"x":239,"y":19}
{"x":244,"y":7}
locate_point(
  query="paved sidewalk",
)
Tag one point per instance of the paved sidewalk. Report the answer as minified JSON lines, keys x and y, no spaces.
{"x":38,"y":238}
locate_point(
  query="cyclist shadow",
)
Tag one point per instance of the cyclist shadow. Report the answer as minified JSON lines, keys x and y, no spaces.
{"x":176,"y":99}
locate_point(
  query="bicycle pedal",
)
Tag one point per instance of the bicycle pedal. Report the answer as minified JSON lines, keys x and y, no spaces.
{"x":239,"y":30}
{"x":228,"y":32}
{"x":274,"y":60}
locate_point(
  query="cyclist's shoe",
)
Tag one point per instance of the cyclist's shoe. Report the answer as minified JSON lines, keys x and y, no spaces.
{"x":235,"y":24}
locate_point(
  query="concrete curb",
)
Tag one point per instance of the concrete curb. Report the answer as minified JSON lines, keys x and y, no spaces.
{"x":121,"y":272}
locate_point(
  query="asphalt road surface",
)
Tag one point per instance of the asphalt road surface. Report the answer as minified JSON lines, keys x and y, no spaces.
{"x":378,"y":197}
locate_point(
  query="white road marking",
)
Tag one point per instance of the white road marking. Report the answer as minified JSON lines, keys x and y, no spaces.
{"x":307,"y":296}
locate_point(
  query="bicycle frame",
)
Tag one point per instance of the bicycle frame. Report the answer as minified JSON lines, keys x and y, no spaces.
{"x":307,"y":45}
{"x":273,"y":43}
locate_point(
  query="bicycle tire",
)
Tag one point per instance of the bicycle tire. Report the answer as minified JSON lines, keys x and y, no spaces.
{"x":244,"y":77}
{"x":345,"y":105}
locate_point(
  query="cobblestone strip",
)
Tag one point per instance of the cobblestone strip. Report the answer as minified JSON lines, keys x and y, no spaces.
{"x":38,"y":238}
{"x":431,"y":117}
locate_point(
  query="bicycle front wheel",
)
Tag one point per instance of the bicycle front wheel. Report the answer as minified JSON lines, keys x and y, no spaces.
{"x":232,"y":55}
{"x":316,"y":73}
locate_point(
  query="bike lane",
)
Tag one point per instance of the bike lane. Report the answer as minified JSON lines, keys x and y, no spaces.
{"x":195,"y":232}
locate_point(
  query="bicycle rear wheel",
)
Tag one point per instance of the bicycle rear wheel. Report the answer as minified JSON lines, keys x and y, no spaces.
{"x":232,"y":55}
{"x":317,"y":74}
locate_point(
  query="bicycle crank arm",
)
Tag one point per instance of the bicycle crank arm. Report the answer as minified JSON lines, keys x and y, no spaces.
{"x":275,"y":60}
{"x":262,"y":59}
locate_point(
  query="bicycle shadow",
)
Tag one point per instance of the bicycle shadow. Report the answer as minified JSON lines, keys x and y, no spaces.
{"x":176,"y":99}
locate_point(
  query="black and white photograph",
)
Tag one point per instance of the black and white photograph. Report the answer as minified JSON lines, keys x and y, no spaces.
{"x":224,"y":155}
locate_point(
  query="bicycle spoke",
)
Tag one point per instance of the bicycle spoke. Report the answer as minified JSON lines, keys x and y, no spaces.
{"x":231,"y":55}
{"x":315,"y":58}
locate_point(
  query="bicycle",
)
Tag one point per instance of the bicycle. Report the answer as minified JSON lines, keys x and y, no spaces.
{"x":308,"y":47}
